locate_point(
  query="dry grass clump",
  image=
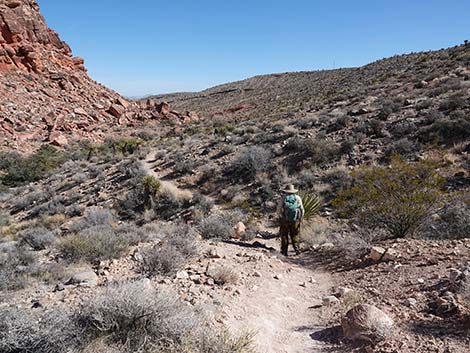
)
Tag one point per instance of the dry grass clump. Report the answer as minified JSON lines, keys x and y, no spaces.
{"x":449,"y":222}
{"x":224,"y":275}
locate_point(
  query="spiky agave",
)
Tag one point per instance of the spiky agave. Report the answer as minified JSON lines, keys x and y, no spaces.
{"x":312,"y":204}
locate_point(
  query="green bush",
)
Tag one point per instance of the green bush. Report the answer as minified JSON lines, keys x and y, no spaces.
{"x":396,"y":198}
{"x":16,"y":170}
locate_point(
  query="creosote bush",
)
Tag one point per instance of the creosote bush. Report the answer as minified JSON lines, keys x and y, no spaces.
{"x":397,"y":198}
{"x":16,"y":170}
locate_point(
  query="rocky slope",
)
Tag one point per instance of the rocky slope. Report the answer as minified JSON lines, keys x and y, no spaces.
{"x":46,"y":94}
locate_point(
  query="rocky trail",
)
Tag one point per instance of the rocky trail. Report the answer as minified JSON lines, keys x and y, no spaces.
{"x":276,"y":300}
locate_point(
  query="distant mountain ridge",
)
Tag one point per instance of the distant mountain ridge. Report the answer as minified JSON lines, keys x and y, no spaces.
{"x":277,"y":94}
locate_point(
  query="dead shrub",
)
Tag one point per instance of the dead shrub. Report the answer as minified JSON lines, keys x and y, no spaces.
{"x":219,"y":225}
{"x":248,"y":163}
{"x":177,"y":247}
{"x":38,"y":238}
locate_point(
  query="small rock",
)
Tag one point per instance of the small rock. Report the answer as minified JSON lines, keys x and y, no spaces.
{"x":195,"y":278}
{"x":277,"y":276}
{"x":257,"y":274}
{"x":411,"y":302}
{"x":420,"y":281}
{"x":366,"y":323}
{"x":303,"y":284}
{"x":344,"y":292}
{"x":330,"y":300}
{"x":454,"y":275}
{"x":182,"y":275}
{"x":87,"y":277}
{"x":327,"y":246}
{"x":380,"y":254}
{"x":239,"y":229}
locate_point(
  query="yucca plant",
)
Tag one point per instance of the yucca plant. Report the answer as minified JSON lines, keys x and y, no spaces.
{"x":312,"y":204}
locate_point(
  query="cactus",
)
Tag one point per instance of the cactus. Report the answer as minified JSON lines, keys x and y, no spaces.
{"x":312,"y":204}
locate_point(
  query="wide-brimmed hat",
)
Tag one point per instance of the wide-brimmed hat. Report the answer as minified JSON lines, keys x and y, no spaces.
{"x":290,"y":189}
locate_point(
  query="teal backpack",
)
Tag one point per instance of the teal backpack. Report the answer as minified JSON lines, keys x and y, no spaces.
{"x":291,"y":208}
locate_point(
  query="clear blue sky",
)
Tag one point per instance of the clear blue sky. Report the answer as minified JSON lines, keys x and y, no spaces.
{"x":153,"y":46}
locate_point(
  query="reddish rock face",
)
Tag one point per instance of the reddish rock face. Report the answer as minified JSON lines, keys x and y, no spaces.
{"x":46,"y":94}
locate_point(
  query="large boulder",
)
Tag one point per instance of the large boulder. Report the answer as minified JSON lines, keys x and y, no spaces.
{"x":367,"y":323}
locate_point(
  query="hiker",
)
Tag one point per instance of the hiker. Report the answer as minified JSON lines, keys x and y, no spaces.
{"x":291,"y":211}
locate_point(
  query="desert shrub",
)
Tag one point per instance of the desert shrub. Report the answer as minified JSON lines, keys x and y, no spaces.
{"x":317,"y":151}
{"x":338,"y":180}
{"x":18,"y":170}
{"x":307,"y":179}
{"x":38,"y":238}
{"x":93,"y":244}
{"x":16,"y":266}
{"x":396,"y":198}
{"x":202,"y":204}
{"x":219,"y":225}
{"x":347,"y":146}
{"x":133,"y":234}
{"x":248,"y":163}
{"x":139,"y":318}
{"x":224,"y":275}
{"x":372,"y":127}
{"x":94,"y":216}
{"x":389,"y":107}
{"x":402,"y":147}
{"x":184,"y":165}
{"x":23,"y":331}
{"x":454,"y":102}
{"x":452,"y":221}
{"x":177,"y":247}
{"x":445,"y":130}
{"x":126,"y":146}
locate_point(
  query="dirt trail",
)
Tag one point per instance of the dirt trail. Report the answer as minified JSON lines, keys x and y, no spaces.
{"x":278,"y":308}
{"x":276,"y":299}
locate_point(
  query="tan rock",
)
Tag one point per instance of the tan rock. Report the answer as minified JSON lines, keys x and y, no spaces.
{"x":367,"y":323}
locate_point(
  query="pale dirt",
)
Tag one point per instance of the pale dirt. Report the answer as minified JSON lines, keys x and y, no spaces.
{"x":280,"y":312}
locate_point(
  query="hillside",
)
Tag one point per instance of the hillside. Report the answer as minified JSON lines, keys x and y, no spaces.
{"x":127,"y":227}
{"x":286,"y":93}
{"x":46,"y":93}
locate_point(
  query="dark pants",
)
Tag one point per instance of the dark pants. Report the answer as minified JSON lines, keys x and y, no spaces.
{"x":292,"y":230}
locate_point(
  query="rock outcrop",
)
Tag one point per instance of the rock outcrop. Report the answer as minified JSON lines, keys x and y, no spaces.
{"x":46,"y":94}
